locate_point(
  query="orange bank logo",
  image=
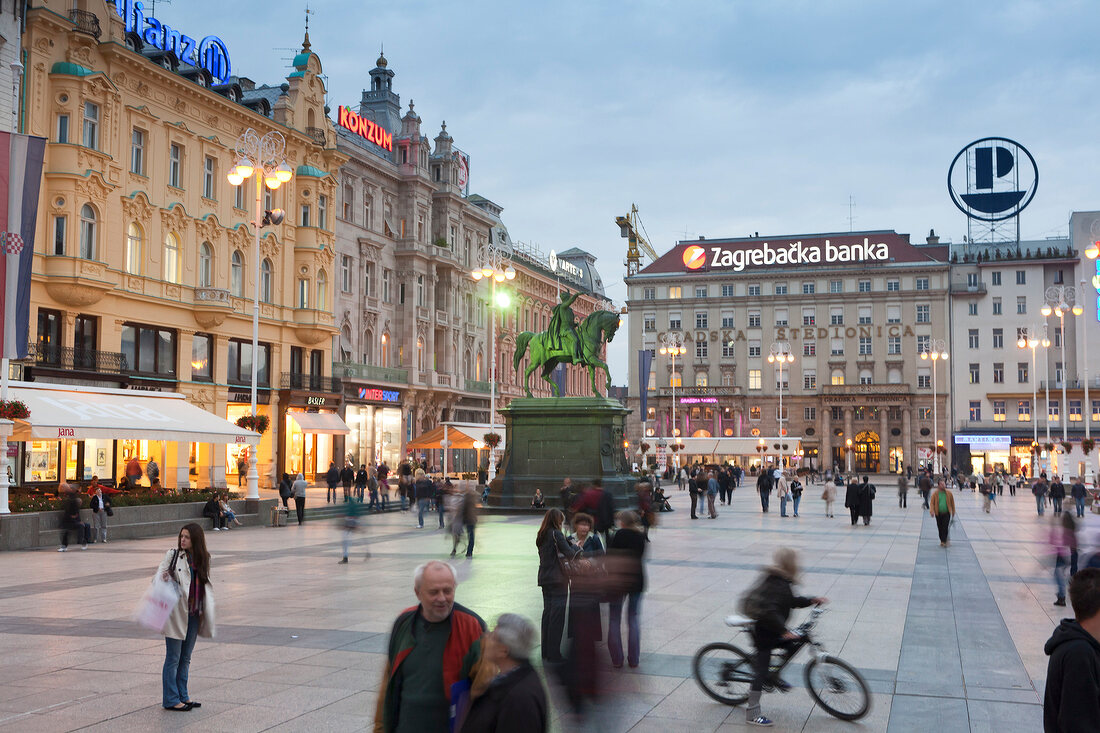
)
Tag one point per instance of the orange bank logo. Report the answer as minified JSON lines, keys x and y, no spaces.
{"x":694,"y":257}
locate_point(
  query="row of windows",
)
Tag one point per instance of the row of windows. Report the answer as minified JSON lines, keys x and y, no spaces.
{"x":782,"y":382}
{"x":1023,"y":410}
{"x":922,"y":314}
{"x":973,"y":279}
{"x":998,"y":307}
{"x":727,"y":290}
{"x":974,"y":339}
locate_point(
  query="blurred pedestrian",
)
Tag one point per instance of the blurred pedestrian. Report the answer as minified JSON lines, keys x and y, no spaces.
{"x":466,"y":518}
{"x":1039,"y":491}
{"x":712,"y":494}
{"x":551,"y":544}
{"x":628,"y":549}
{"x":286,"y":490}
{"x":1063,"y":544}
{"x":352,"y":510}
{"x":423,"y":490}
{"x":133,"y":473}
{"x":596,"y":501}
{"x":828,"y":494}
{"x":101,"y":509}
{"x":986,"y":490}
{"x":299,"y":489}
{"x":851,"y":499}
{"x":1078,"y":492}
{"x":507,"y":695}
{"x":903,"y":492}
{"x":866,"y":500}
{"x":443,"y":488}
{"x":347,"y":479}
{"x":188,"y":565}
{"x":431,"y":654}
{"x":1057,"y":493}
{"x":70,"y":518}
{"x":941,"y":506}
{"x":362,"y":478}
{"x":924,"y":486}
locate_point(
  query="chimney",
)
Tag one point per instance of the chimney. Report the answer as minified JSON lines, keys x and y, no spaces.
{"x":932,"y":238}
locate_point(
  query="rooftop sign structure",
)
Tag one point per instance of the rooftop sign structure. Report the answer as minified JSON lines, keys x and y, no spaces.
{"x":210,"y":53}
{"x":351,"y":120}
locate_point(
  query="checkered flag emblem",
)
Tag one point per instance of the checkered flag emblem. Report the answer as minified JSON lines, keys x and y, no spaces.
{"x":13,"y":243}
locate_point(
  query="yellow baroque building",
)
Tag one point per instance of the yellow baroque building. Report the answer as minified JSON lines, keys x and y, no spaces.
{"x":145,"y":261}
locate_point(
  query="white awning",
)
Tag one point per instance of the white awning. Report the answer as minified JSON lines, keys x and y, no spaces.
{"x":321,"y":423}
{"x":86,"y":413}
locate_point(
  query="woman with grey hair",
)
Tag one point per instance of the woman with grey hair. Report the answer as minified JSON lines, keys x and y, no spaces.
{"x":507,"y":694}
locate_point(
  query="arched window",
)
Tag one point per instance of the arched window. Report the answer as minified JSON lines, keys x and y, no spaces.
{"x":368,"y":347}
{"x":865,"y":376}
{"x":420,"y":354}
{"x":172,"y":258}
{"x":303,"y":293}
{"x":134,"y":239}
{"x":477,"y":375}
{"x":345,"y":344}
{"x":385,"y":349}
{"x":206,"y":265}
{"x":265,"y":280}
{"x":837,"y":378}
{"x":321,"y":302}
{"x":675,"y":380}
{"x":466,"y":365}
{"x":701,"y":381}
{"x":236,"y":274}
{"x":87,"y":232}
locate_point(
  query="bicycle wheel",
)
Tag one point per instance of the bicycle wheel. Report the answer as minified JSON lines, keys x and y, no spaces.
{"x":836,"y":686}
{"x":724,"y":672}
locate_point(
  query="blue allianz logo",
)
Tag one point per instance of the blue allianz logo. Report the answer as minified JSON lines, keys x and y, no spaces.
{"x":210,"y":53}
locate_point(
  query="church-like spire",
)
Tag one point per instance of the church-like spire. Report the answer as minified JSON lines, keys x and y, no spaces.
{"x":305,"y":41}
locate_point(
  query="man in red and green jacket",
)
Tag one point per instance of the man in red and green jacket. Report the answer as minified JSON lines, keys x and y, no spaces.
{"x":433,"y":646}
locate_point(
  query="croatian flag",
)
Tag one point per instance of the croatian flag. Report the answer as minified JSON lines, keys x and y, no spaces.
{"x":20,"y":180}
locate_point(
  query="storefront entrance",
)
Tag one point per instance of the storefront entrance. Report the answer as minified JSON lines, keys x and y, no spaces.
{"x":866,"y":452}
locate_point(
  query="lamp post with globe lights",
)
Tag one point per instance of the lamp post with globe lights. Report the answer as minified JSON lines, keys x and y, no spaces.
{"x":1058,"y":300}
{"x":1032,"y":338}
{"x":496,"y":269}
{"x":937,"y":351}
{"x":1091,"y":252}
{"x":262,"y":158}
{"x":674,"y":347}
{"x":848,"y":452}
{"x":780,"y":355}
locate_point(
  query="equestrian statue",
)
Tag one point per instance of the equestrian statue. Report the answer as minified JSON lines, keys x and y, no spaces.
{"x":567,"y":342}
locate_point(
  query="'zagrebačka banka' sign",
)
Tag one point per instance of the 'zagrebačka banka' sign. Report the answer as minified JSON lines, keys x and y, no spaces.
{"x":210,"y":53}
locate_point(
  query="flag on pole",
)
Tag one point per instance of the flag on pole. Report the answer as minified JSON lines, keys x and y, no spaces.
{"x":645,"y":362}
{"x":20,"y":180}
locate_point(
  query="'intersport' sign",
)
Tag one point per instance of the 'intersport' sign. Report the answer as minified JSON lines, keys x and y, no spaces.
{"x":210,"y":53}
{"x":765,"y":254}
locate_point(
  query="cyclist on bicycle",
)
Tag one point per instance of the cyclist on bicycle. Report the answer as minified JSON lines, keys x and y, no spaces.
{"x":774,"y":600}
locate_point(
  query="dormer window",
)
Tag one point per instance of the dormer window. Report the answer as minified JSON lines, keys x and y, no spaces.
{"x":436,"y":172}
{"x":404,"y":154}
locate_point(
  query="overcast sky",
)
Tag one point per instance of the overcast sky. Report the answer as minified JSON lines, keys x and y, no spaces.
{"x":717,"y":118}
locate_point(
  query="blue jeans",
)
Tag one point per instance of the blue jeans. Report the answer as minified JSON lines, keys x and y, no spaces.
{"x":633,"y":631}
{"x":1057,"y":506}
{"x":470,"y":529}
{"x":1040,"y":504}
{"x":439,"y":509}
{"x":177,"y":662}
{"x":765,"y":499}
{"x":783,"y":505}
{"x":1080,"y":502}
{"x":421,"y":507}
{"x":797,"y":498}
{"x":373,"y":499}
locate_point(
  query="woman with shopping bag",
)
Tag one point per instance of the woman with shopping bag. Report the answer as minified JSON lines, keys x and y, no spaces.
{"x":188,"y":568}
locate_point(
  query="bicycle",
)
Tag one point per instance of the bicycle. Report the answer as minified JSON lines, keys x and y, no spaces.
{"x":725,"y":672}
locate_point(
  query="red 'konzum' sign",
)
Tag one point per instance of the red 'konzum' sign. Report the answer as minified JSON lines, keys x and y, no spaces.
{"x":351,"y":120}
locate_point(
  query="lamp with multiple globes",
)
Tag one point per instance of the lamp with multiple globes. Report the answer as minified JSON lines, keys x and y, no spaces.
{"x":780,"y":354}
{"x":1031,"y":338}
{"x":936,"y":351}
{"x":672,"y":349}
{"x":495,"y":270}
{"x":1060,"y":300}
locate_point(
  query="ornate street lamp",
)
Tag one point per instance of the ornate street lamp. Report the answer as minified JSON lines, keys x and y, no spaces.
{"x":1060,"y":299}
{"x":1031,"y":338}
{"x":938,"y":353}
{"x":496,"y":269}
{"x":674,"y":347}
{"x":780,"y":355}
{"x":261,"y":158}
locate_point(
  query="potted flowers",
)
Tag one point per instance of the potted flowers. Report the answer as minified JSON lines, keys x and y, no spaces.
{"x":1066,"y":446}
{"x":492,"y":439}
{"x":1087,"y":445}
{"x":14,"y":410}
{"x":257,"y":424}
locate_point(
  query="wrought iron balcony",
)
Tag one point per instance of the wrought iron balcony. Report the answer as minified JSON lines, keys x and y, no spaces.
{"x":311,"y":382}
{"x":354,"y":370}
{"x":86,"y":22}
{"x":81,"y":360}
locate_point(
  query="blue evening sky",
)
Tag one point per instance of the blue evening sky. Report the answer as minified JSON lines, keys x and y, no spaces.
{"x":716,"y":118}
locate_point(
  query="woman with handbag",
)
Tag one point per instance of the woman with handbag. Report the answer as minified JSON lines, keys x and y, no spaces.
{"x":188,"y":566}
{"x":554,"y":553}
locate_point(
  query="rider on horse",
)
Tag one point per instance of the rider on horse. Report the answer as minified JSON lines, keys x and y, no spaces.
{"x":562,"y":321}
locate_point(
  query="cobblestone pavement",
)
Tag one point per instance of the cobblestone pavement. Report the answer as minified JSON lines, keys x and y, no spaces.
{"x":949,"y":640}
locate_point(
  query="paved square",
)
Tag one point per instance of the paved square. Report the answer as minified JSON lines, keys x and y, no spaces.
{"x":949,"y":640}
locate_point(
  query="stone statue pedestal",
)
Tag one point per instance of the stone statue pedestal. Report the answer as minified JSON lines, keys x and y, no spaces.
{"x":550,"y":438}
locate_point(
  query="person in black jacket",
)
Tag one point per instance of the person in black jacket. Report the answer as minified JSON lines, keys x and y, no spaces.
{"x":770,"y":631}
{"x":423,"y":490}
{"x":866,"y":500}
{"x":1057,"y":493}
{"x":213,"y":510}
{"x":764,"y":483}
{"x":851,"y":499}
{"x":332,"y":478}
{"x":361,"y":479}
{"x":285,"y":490}
{"x":693,"y":493}
{"x":628,"y":547}
{"x":347,"y":478}
{"x":70,"y":518}
{"x":507,"y":694}
{"x":1071,"y":701}
{"x":551,"y":544}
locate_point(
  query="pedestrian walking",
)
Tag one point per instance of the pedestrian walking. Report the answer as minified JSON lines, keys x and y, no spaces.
{"x":693,"y":495}
{"x":466,"y":515}
{"x":188,"y":566}
{"x":299,"y":490}
{"x":712,"y":495}
{"x":332,"y":479}
{"x":783,"y":493}
{"x":987,"y":492}
{"x":1039,"y":491}
{"x":764,"y":484}
{"x":352,"y":510}
{"x":1078,"y":492}
{"x":423,"y":490}
{"x":152,"y":470}
{"x":828,"y":494}
{"x":347,"y":479}
{"x":286,"y":490}
{"x":1063,"y":544}
{"x":1071,"y":700}
{"x":443,"y":489}
{"x":101,"y":509}
{"x":133,"y":473}
{"x":551,"y":544}
{"x":851,"y":499}
{"x":70,"y":518}
{"x":432,"y":647}
{"x":903,"y":492}
{"x":796,"y":492}
{"x":507,"y":694}
{"x":924,"y":486}
{"x":627,"y":547}
{"x":362,"y":478}
{"x":866,"y":500}
{"x":1012,"y":481}
{"x":1057,"y":493}
{"x":942,"y":509}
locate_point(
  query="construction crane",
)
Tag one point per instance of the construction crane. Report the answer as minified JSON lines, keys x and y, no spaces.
{"x":628,"y":228}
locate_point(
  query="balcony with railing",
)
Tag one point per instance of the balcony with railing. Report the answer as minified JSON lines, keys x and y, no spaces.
{"x":311,"y":382}
{"x":1053,"y":384}
{"x":716,"y":391}
{"x":368,"y":372}
{"x":865,"y":389}
{"x":67,"y":358}
{"x":86,"y":22}
{"x":475,"y":385}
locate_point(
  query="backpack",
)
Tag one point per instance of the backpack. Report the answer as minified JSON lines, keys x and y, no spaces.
{"x":753,"y":604}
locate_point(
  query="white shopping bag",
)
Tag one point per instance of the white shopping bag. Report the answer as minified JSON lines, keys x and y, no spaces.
{"x":156,"y":605}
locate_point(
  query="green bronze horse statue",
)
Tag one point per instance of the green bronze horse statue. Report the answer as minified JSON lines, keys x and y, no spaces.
{"x":594,"y":331}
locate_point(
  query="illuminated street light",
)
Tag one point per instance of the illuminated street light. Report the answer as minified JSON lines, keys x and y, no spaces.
{"x":937,"y":352}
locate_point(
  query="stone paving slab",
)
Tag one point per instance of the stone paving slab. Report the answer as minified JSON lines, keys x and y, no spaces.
{"x":948,"y":639}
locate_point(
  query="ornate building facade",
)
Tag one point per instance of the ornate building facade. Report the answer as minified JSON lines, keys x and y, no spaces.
{"x":144,"y":257}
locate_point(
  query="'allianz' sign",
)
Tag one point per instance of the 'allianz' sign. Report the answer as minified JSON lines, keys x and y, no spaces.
{"x":210,"y":53}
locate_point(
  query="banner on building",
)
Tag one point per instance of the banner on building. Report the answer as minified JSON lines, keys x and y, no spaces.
{"x":463,"y":161}
{"x":645,"y":361}
{"x":20,"y":180}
